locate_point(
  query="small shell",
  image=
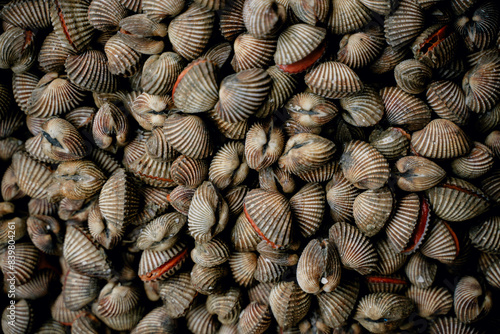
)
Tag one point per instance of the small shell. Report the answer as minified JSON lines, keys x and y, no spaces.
{"x":243,"y":266}
{"x":320,"y":174}
{"x":383,"y":312}
{"x":479,"y":28}
{"x":391,"y":142}
{"x":490,"y":266}
{"x":33,"y":178}
{"x":159,"y":10}
{"x":160,"y":72}
{"x":211,"y":253}
{"x":159,"y":265}
{"x":226,"y":305}
{"x":389,"y":58}
{"x":289,"y":304}
{"x":308,"y":207}
{"x":363,"y":109}
{"x":110,"y":127}
{"x":124,"y":322}
{"x":228,"y":167}
{"x":61,"y":141}
{"x":364,"y":166}
{"x":360,"y":49}
{"x":283,"y":85}
{"x":90,"y":71}
{"x":263,"y":145}
{"x":421,"y":271}
{"x":201,"y":74}
{"x":116,"y":299}
{"x":311,"y":110}
{"x":305,"y":152}
{"x":263,"y":18}
{"x":390,"y":261}
{"x":485,"y":235}
{"x":403,"y":109}
{"x":79,"y":290}
{"x":53,"y":53}
{"x":450,"y":325}
{"x":311,"y":12}
{"x":236,"y":131}
{"x":122,"y":59}
{"x":436,"y":53}
{"x":337,"y":305}
{"x":355,"y":249}
{"x":490,"y":185}
{"x":150,"y":111}
{"x":46,"y":233}
{"x":347,"y":16}
{"x":472,"y":301}
{"x":23,"y":322}
{"x":106,"y":15}
{"x":371,"y":209}
{"x":441,"y":139}
{"x":251,"y":52}
{"x":481,"y":83}
{"x":493,"y":142}
{"x":162,"y":232}
{"x":209,"y":280}
{"x":178,"y":126}
{"x":457,"y":200}
{"x":340,"y":196}
{"x":81,"y":118}
{"x":255,"y":318}
{"x":333,"y":80}
{"x":189,"y":32}
{"x":208,"y":213}
{"x":235,"y":198}
{"x":404,"y":25}
{"x":382,"y":7}
{"x":200,"y":321}
{"x":441,"y":243}
{"x":188,"y":172}
{"x":22,"y":270}
{"x":243,"y":237}
{"x":157,"y":321}
{"x":273,"y":221}
{"x":275,"y":178}
{"x":418,"y":173}
{"x":177,"y":294}
{"x":180,"y":198}
{"x":430,"y":302}
{"x":412,"y":76}
{"x":447,"y":100}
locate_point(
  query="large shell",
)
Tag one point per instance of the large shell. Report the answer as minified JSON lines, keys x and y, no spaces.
{"x":391,"y":142}
{"x":364,"y":108}
{"x":450,"y":325}
{"x":457,"y":200}
{"x":337,"y":305}
{"x":106,"y":15}
{"x":359,"y":49}
{"x":347,"y":16}
{"x":122,"y":59}
{"x":189,"y":32}
{"x":441,"y":243}
{"x":263,"y":18}
{"x":479,"y":28}
{"x":17,"y":50}
{"x":371,"y":209}
{"x":472,"y":301}
{"x":179,"y":127}
{"x":412,"y":76}
{"x":255,"y":318}
{"x":273,"y":221}
{"x":403,"y":109}
{"x":404,"y":25}
{"x":430,"y":302}
{"x":477,"y":163}
{"x":263,"y":145}
{"x":333,"y":80}
{"x":448,"y":101}
{"x":289,"y":303}
{"x":355,"y":249}
{"x":90,"y":71}
{"x":308,"y":207}
{"x":436,"y":53}
{"x":27,"y":14}
{"x":481,"y":83}
{"x":156,"y":321}
{"x":484,"y":236}
{"x":364,"y":166}
{"x":418,"y":173}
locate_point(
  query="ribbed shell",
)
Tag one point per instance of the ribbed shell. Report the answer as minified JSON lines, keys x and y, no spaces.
{"x":390,"y":261}
{"x":472,"y":301}
{"x":364,"y":166}
{"x":493,"y":142}
{"x":244,"y":238}
{"x":209,"y":280}
{"x":450,"y":325}
{"x":447,"y":100}
{"x":201,"y":74}
{"x":268,"y":271}
{"x":27,"y":258}
{"x":404,"y":25}
{"x":208,"y":213}
{"x":380,"y":283}
{"x":403,"y":109}
{"x":211,"y":253}
{"x":158,"y":10}
{"x":289,"y":304}
{"x":116,"y":299}
{"x":180,"y":198}
{"x":162,"y":232}
{"x":105,"y":15}
{"x":389,"y":58}
{"x":236,"y":131}
{"x":231,"y":20}
{"x":158,"y":321}
{"x":337,"y":305}
{"x":243,"y":266}
{"x":177,"y":294}
{"x":228,"y":167}
{"x":61,"y":141}
{"x":189,"y":32}
{"x":159,"y":265}
{"x":52,"y":327}
{"x":421,"y":271}
{"x":122,"y":59}
{"x":23,"y":85}
{"x":79,"y":290}
{"x":242,"y":94}
{"x":371,"y":210}
{"x":53,"y":53}
{"x":226,"y":305}
{"x":479,"y":29}
{"x":311,"y":110}
{"x":90,"y":71}
{"x":347,"y":16}
{"x":485,"y":236}
{"x":333,"y":80}
{"x":441,"y":244}
{"x":391,"y":142}
{"x":83,"y":255}
{"x":457,"y":200}
{"x":418,"y":173}
{"x":160,"y":73}
{"x":33,"y":178}
{"x":124,"y":322}
{"x":18,"y":51}
{"x":364,"y":108}
{"x":189,"y":135}
{"x":283,"y":85}
{"x":23,"y":321}
{"x":430,"y":302}
{"x":412,"y":76}
{"x":340,"y":194}
{"x":71,"y":24}
{"x":308,"y":207}
{"x":255,"y":318}
{"x":251,"y":52}
{"x":201,"y":322}
{"x":272,"y":220}
{"x":188,"y":172}
{"x":436,"y":54}
{"x":320,"y":174}
{"x":491,"y":185}
{"x":263,"y":18}
{"x":356,"y":250}
{"x":478,"y":162}
{"x":263,"y":145}
{"x":481,"y":84}
{"x":235,"y":197}
{"x":34,"y":14}
{"x":360,"y":49}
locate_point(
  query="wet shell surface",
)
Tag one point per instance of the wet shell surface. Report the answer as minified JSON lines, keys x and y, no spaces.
{"x":288,"y":303}
{"x":333,"y":80}
{"x":371,"y":209}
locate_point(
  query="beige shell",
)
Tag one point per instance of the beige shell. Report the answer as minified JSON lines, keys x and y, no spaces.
{"x":471,"y":301}
{"x":263,"y":145}
{"x":403,"y":109}
{"x":430,"y":302}
{"x":243,"y":237}
{"x":311,"y":110}
{"x":255,"y":318}
{"x":337,"y":305}
{"x":418,"y":173}
{"x":122,"y":59}
{"x":162,"y":232}
{"x":211,"y":253}
{"x":333,"y":80}
{"x":177,"y":294}
{"x":27,"y":14}
{"x":480,"y":84}
{"x":231,"y":20}
{"x":160,"y":72}
{"x":364,"y":108}
{"x":359,"y":49}
{"x":189,"y":172}
{"x":447,"y":100}
{"x":243,"y":266}
{"x":228,"y":167}
{"x":61,"y":141}
{"x":340,"y":194}
{"x":390,"y":261}
{"x":251,"y":52}
{"x":263,"y":18}
{"x":53,"y":53}
{"x":289,"y":303}
{"x":371,"y":210}
{"x":18,"y":51}
{"x":421,"y":271}
{"x":275,"y":178}
{"x":484,"y":236}
{"x":158,"y":10}
{"x":391,"y":142}
{"x":412,"y":76}
{"x":90,"y":71}
{"x":157,"y":265}
{"x":79,"y":290}
{"x":156,"y":321}
{"x":404,"y":24}
{"x":178,"y":126}
{"x":33,"y":178}
{"x":150,"y":111}
{"x":347,"y":16}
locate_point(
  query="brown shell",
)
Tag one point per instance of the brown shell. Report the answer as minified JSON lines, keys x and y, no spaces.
{"x":391,"y":142}
{"x":347,"y":16}
{"x":79,"y":290}
{"x":243,"y":266}
{"x":441,"y":244}
{"x":364,"y":166}
{"x":403,"y":109}
{"x":418,"y":174}
{"x":471,"y":301}
{"x":33,"y":178}
{"x":484,"y":236}
{"x":481,"y":83}
{"x":457,"y":200}
{"x":177,"y":294}
{"x":209,"y":280}
{"x":231,"y":20}
{"x":493,"y":142}
{"x":364,"y":108}
{"x":188,"y":172}
{"x":106,"y":15}
{"x":263,"y":18}
{"x":359,"y":49}
{"x":178,"y":126}
{"x":450,"y":325}
{"x":236,"y":131}
{"x":390,"y":261}
{"x":200,"y":321}
{"x":308,"y":207}
{"x":180,"y":198}
{"x":275,"y":178}
{"x":412,"y":76}
{"x":27,"y":14}
{"x":53,"y":53}
{"x":156,"y":321}
{"x":160,"y":72}
{"x":448,"y":101}
{"x":337,"y":305}
{"x":243,"y":237}
{"x":421,"y":271}
{"x":478,"y":28}
{"x":189,"y":32}
{"x":228,"y":166}
{"x":117,"y":299}
{"x":159,"y":10}
{"x":320,"y":174}
{"x":436,"y":53}
{"x":157,"y":265}
{"x":333,"y":80}
{"x":289,"y":303}
{"x":226,"y":305}
{"x":122,"y":59}
{"x":27,"y":259}
{"x":23,"y":85}
{"x":404,"y":24}
{"x":477,"y":163}
{"x":255,"y":318}
{"x":211,"y":253}
{"x":46,"y":233}
{"x":251,"y":52}
{"x":263,"y":145}
{"x":90,"y":71}
{"x":490,"y":185}
{"x":162,"y":232}
{"x":371,"y":209}
{"x":25,"y":316}
{"x":18,"y":51}
{"x":311,"y":12}
{"x":311,"y":110}
{"x":283,"y":85}
{"x":389,"y":58}
{"x":340,"y":194}
{"x":235,"y":197}
{"x":355,"y":249}
{"x":430,"y":302}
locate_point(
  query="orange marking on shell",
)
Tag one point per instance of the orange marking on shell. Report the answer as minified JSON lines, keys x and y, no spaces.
{"x":183,"y":73}
{"x":305,"y":63}
{"x":381,"y":279}
{"x":158,"y":272}
{"x":63,"y":24}
{"x":433,"y":40}
{"x":257,"y":229}
{"x":454,"y":235}
{"x":419,"y":231}
{"x":467,"y":191}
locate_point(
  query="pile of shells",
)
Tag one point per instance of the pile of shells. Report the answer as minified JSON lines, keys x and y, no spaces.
{"x":250,"y":166}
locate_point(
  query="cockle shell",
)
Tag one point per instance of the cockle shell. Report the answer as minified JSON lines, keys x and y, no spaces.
{"x":289,"y":303}
{"x":333,"y":80}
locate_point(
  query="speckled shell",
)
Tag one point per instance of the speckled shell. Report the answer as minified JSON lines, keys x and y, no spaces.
{"x":430,"y":302}
{"x":178,"y":126}
{"x":289,"y":303}
{"x":371,"y":210}
{"x":412,"y":76}
{"x":333,"y":80}
{"x":484,"y":236}
{"x":53,"y":53}
{"x":471,"y":301}
{"x":418,"y":173}
{"x":391,"y":142}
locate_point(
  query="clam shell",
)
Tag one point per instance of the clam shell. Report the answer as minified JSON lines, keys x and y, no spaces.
{"x":490,"y":266}
{"x":159,"y":10}
{"x":481,"y":83}
{"x":106,"y":163}
{"x":457,"y":200}
{"x":263,"y":145}
{"x":79,"y":290}
{"x":140,"y":26}
{"x":333,"y":80}
{"x":142,"y":44}
{"x":388,"y":306}
{"x":340,"y":194}
{"x":320,"y":174}
{"x":471,"y":301}
{"x":242,"y":94}
{"x":117,"y":299}
{"x":450,"y":325}
{"x":404,"y":25}
{"x":477,"y":163}
{"x":273,"y":221}
{"x":208,"y":213}
{"x":236,"y":131}
{"x":263,"y":18}
{"x":33,"y":178}
{"x":371,"y":210}
{"x":231,"y":20}
{"x":391,"y":142}
{"x":447,"y":100}
{"x":34,"y":148}
{"x":484,"y":236}
{"x":292,"y":128}
{"x":490,"y":185}
{"x":283,"y":85}
{"x":391,"y":284}
{"x":46,"y":233}
{"x":177,"y":294}
{"x":364,"y":108}
{"x":200,"y":321}
{"x":412,"y":76}
{"x":61,"y":141}
{"x":337,"y":305}
{"x":364,"y":166}
{"x":308,"y":208}
{"x":180,"y":198}
{"x":243,"y":266}
{"x":200,"y":73}
{"x":441,"y":139}
{"x":382,"y":7}
{"x":347,"y":16}
{"x":208,"y":280}
{"x":34,"y":124}
{"x":390,"y":261}
{"x":311,"y":110}
{"x":421,"y":271}
{"x":211,"y":253}
{"x":122,"y":59}
{"x":226,"y":305}
{"x":289,"y":303}
{"x":10,"y":189}
{"x":436,"y":54}
{"x":106,"y":15}
{"x":27,"y":259}
{"x":251,"y":52}
{"x":70,"y":21}
{"x":493,"y":142}
{"x":219,"y":53}
{"x":355,"y":250}
{"x":53,"y":53}
{"x":479,"y":28}
{"x":51,"y":326}
{"x":83,"y":255}
{"x":150,"y":111}
{"x":18,"y":51}
{"x":306,"y":151}
{"x":310,"y":12}
{"x":42,"y":207}
{"x":255,"y":318}
{"x":430,"y":302}
{"x":188,"y":172}
{"x":359,"y":49}
{"x":81,"y":118}
{"x":418,"y":173}
{"x":318,"y":268}
{"x":157,"y":321}
{"x":27,"y":14}
{"x":24,"y":318}
{"x":276,"y":179}
{"x":160,"y":72}
{"x":269,"y":271}
{"x":388,"y":59}
{"x":403,"y":109}
{"x":177,"y":126}
{"x":243,"y":237}
{"x":23,"y":85}
{"x":123,"y":322}
{"x":228,"y":167}
{"x":90,"y":71}
{"x":157,"y":265}
{"x":189,"y":32}
{"x":299,"y":47}
{"x":235,"y":198}
{"x":162,"y":232}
